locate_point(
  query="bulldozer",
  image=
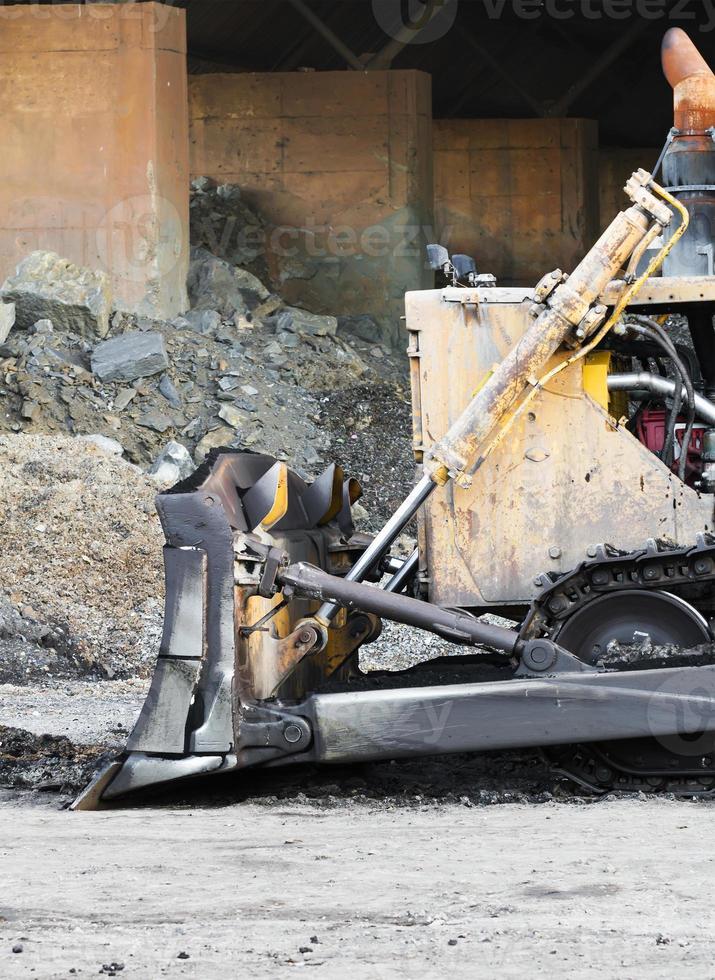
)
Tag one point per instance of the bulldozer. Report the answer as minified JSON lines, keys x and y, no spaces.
{"x":564,"y":497}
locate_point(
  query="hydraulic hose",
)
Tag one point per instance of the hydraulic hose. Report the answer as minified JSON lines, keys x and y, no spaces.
{"x":653,"y":331}
{"x":663,"y":387}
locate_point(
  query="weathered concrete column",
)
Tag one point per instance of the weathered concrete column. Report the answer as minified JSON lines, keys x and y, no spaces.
{"x":95,"y":144}
{"x":340,"y":164}
{"x":520,"y":195}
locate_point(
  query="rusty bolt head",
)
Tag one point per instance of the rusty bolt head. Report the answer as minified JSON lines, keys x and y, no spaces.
{"x":305,"y":636}
{"x":557,"y":604}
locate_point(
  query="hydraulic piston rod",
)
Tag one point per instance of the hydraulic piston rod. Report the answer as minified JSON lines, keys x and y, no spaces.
{"x":458,"y":627}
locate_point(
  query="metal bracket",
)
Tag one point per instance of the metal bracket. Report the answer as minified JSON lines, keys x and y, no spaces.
{"x":269,"y":734}
{"x":710,"y":253}
{"x":547,"y":284}
{"x":540,"y":658}
{"x":273,"y":561}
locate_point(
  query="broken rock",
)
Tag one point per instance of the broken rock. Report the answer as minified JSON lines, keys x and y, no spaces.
{"x":223,"y":436}
{"x":216,"y":285}
{"x":174,"y":463}
{"x":156,"y":420}
{"x":304,"y":322}
{"x":130,"y":356}
{"x":46,"y":286}
{"x":203,"y":321}
{"x":231,"y":415}
{"x":7,"y":320}
{"x":168,"y":390}
{"x":363,"y":326}
{"x":107,"y":446}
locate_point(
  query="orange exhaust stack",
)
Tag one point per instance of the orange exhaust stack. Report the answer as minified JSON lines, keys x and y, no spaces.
{"x":693,"y":82}
{"x":689,"y":163}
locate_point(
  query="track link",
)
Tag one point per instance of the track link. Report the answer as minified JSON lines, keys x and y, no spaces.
{"x":634,"y":765}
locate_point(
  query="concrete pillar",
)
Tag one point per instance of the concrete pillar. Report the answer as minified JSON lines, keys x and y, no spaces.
{"x":520,"y":195}
{"x":95,"y":144}
{"x":340,"y":164}
{"x":615,"y":165}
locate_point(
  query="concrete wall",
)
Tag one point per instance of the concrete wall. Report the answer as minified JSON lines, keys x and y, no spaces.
{"x":95,"y":144}
{"x":615,"y":167}
{"x":341,"y":165}
{"x":520,"y":195}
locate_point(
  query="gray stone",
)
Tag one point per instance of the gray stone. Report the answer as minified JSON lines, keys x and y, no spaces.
{"x":281,"y":321}
{"x":223,"y":436}
{"x":168,"y":390}
{"x":156,"y":420}
{"x":203,"y":321}
{"x":46,"y":286}
{"x":164,"y":474}
{"x":42,"y":327}
{"x":252,"y":289}
{"x":363,"y":326}
{"x":203,"y":184}
{"x":180,"y":322}
{"x":231,"y":415}
{"x":215,"y":284}
{"x":110,"y":447}
{"x":172,"y":464}
{"x":313,"y":323}
{"x":288,"y":339}
{"x":130,"y":356}
{"x":7,"y":320}
{"x":124,"y":396}
{"x":30,"y":410}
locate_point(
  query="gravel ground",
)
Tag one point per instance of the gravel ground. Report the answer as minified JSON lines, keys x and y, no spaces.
{"x":80,"y":562}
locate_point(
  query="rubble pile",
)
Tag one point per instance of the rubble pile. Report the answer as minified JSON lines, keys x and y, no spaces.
{"x":240,"y":368}
{"x":99,"y":409}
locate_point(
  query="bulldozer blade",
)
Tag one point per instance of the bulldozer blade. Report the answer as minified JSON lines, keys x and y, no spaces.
{"x":323,"y":500}
{"x":224,"y":647}
{"x":352,"y":491}
{"x":266,"y":503}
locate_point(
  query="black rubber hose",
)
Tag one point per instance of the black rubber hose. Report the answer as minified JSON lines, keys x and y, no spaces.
{"x":688,"y":383}
{"x":652,"y":329}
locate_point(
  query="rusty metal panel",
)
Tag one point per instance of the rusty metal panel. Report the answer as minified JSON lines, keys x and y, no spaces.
{"x":567,"y":477}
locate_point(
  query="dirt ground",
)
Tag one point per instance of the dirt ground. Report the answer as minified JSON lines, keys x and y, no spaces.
{"x":618,"y":888}
{"x":388,"y":870}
